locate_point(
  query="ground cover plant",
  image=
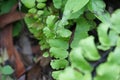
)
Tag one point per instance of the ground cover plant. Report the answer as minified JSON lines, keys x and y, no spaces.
{"x":78,"y":39}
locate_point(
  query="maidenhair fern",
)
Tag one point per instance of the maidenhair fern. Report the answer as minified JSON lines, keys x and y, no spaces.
{"x":51,"y":23}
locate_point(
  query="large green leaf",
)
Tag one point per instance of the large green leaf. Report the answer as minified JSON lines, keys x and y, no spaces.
{"x":90,"y":49}
{"x":106,"y":71}
{"x":96,"y":5}
{"x":76,"y":14}
{"x":81,"y":31}
{"x":87,"y":76}
{"x":78,"y":61}
{"x":98,"y":8}
{"x":103,"y":36}
{"x":118,"y":42}
{"x":73,"y":6}
{"x":116,"y":21}
{"x":114,"y":56}
{"x":113,"y":36}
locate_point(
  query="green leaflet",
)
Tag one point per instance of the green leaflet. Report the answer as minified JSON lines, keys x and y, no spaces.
{"x":48,"y":33}
{"x":57,"y":3}
{"x":98,"y":8}
{"x":81,"y":32}
{"x":40,"y":12}
{"x":58,"y":43}
{"x":29,"y":21}
{"x":73,"y":7}
{"x":76,"y":14}
{"x":65,"y":33}
{"x":116,"y":21}
{"x":28,"y":3}
{"x":106,"y":71}
{"x":103,"y":36}
{"x":41,"y":5}
{"x":118,"y":42}
{"x":32,"y":10}
{"x":110,"y":69}
{"x":111,"y":39}
{"x":55,"y":74}
{"x":7,"y":70}
{"x":45,"y":54}
{"x":70,"y":74}
{"x":113,"y":36}
{"x":44,"y":46}
{"x":58,"y":53}
{"x":90,"y":51}
{"x":96,"y":5}
{"x":77,"y":60}
{"x":50,"y":21}
{"x":59,"y":64}
{"x":114,"y":56}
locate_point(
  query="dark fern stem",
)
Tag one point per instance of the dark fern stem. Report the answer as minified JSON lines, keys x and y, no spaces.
{"x":102,"y":60}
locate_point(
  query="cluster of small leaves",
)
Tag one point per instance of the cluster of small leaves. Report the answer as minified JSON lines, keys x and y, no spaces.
{"x":49,"y":30}
{"x":53,"y":32}
{"x":36,"y":19}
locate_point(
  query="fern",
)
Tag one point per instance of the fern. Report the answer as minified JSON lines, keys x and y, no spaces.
{"x":74,"y":58}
